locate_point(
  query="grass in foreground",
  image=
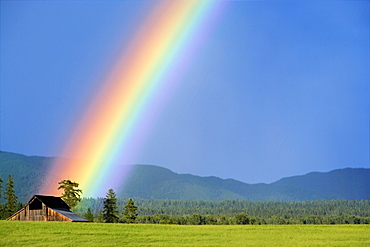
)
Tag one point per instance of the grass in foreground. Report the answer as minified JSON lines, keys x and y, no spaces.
{"x":13,"y":233}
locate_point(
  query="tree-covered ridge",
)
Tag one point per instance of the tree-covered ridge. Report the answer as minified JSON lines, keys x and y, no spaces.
{"x":28,"y":172}
{"x":349,"y":183}
{"x":154,"y":182}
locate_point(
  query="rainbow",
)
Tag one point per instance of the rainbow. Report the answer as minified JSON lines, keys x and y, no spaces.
{"x":118,"y":118}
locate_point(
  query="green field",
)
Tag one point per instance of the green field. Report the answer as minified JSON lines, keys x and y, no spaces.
{"x":14,"y":233}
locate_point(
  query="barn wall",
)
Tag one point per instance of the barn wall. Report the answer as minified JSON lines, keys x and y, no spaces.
{"x":36,"y":215}
{"x":31,"y":215}
{"x":21,"y":215}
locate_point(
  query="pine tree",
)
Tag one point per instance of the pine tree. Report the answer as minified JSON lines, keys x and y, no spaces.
{"x":71,"y":194}
{"x":1,"y":190}
{"x":129,"y":214}
{"x":1,"y":199}
{"x":89,"y":216}
{"x":100,"y":218}
{"x":110,"y":207}
{"x":10,"y":197}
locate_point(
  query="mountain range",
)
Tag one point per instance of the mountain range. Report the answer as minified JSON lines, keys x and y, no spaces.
{"x":154,"y":182}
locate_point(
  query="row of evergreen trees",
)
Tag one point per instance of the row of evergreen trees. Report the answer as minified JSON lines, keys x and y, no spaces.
{"x":232,"y":212}
{"x":110,"y":212}
{"x":10,"y":206}
{"x":245,"y":219}
{"x":265,"y":209}
{"x":72,"y":196}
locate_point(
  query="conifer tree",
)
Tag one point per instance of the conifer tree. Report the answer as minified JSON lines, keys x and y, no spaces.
{"x":89,"y":216}
{"x":100,"y":218}
{"x":1,"y":199}
{"x":129,"y":214}
{"x":10,"y":197}
{"x":71,"y":194}
{"x":1,"y":190}
{"x":110,"y":207}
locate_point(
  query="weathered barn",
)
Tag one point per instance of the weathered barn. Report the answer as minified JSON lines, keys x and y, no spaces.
{"x":46,"y":208}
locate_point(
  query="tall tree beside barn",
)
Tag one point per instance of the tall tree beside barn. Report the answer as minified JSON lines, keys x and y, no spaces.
{"x":71,"y":194}
{"x":110,"y":211}
{"x":10,"y":197}
{"x":129,"y":214}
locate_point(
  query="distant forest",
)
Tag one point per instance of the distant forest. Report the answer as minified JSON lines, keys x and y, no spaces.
{"x":238,"y":211}
{"x":314,"y":198}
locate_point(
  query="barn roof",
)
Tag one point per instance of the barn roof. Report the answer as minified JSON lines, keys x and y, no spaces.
{"x":70,"y":215}
{"x":51,"y":201}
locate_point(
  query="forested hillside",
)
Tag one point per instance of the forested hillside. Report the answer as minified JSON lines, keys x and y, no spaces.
{"x":28,"y":172}
{"x":154,"y":182}
{"x":345,"y":183}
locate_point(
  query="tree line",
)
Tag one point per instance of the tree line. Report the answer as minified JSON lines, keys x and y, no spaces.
{"x":245,"y":219}
{"x":232,"y":212}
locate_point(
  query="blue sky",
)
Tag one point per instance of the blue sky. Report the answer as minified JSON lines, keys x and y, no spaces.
{"x":278,"y":88}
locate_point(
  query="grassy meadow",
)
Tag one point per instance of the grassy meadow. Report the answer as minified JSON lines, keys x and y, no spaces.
{"x":16,"y":233}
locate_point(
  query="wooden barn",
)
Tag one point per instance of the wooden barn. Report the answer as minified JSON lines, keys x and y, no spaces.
{"x":46,"y":208}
